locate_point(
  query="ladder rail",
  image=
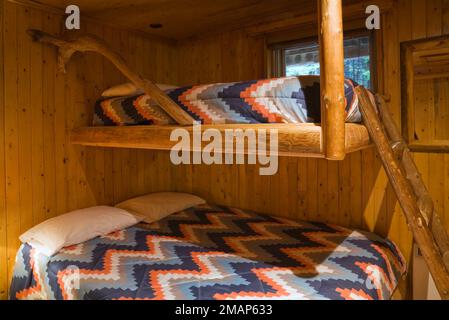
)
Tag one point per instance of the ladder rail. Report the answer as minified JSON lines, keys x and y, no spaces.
{"x":425,"y":202}
{"x":405,"y":194}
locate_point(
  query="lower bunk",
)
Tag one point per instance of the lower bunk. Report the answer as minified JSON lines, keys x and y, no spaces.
{"x":215,"y":253}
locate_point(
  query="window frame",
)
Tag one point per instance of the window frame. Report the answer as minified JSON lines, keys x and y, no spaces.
{"x":277,"y":67}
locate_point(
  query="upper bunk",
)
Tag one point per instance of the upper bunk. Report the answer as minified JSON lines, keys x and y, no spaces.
{"x":332,"y":138}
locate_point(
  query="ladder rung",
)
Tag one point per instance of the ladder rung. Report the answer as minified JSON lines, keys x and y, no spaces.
{"x":399,"y":148}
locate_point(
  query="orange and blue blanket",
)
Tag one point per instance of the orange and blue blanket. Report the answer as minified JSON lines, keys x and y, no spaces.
{"x":280,"y":100}
{"x":211,"y":252}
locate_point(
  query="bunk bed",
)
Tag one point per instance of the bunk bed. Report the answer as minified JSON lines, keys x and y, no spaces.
{"x":332,"y":139}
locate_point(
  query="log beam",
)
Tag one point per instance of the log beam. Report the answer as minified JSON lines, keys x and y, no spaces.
{"x":88,"y":43}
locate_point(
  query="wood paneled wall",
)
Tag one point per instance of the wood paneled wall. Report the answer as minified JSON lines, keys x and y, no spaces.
{"x":3,"y":235}
{"x":226,"y":57}
{"x":41,"y":174}
{"x":413,"y":20}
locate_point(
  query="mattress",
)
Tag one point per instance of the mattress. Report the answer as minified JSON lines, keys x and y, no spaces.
{"x":281,"y":100}
{"x":216,"y":253}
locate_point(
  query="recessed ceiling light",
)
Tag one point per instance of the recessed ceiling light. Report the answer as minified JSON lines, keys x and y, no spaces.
{"x":156,"y":26}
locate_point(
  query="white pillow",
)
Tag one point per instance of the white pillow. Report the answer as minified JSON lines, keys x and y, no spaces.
{"x":76,"y":227}
{"x":129,"y":89}
{"x":156,"y":206}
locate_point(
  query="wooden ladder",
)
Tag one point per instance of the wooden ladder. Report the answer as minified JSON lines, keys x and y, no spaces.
{"x":416,"y":203}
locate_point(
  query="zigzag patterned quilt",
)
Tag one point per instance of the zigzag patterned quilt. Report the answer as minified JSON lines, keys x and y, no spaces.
{"x":215,"y":253}
{"x":281,"y":100}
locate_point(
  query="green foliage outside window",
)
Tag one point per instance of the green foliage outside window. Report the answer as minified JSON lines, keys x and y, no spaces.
{"x":357,"y":67}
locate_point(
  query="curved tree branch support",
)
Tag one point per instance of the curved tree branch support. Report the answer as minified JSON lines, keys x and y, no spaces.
{"x":88,"y":43}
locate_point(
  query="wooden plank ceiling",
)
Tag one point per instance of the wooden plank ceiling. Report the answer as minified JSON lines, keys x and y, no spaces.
{"x":186,"y":18}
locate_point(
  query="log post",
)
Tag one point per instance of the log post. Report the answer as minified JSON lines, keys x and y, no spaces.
{"x":68,"y":46}
{"x":405,"y":194}
{"x":333,"y":114}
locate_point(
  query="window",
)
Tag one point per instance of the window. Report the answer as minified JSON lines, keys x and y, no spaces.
{"x":304,"y":59}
